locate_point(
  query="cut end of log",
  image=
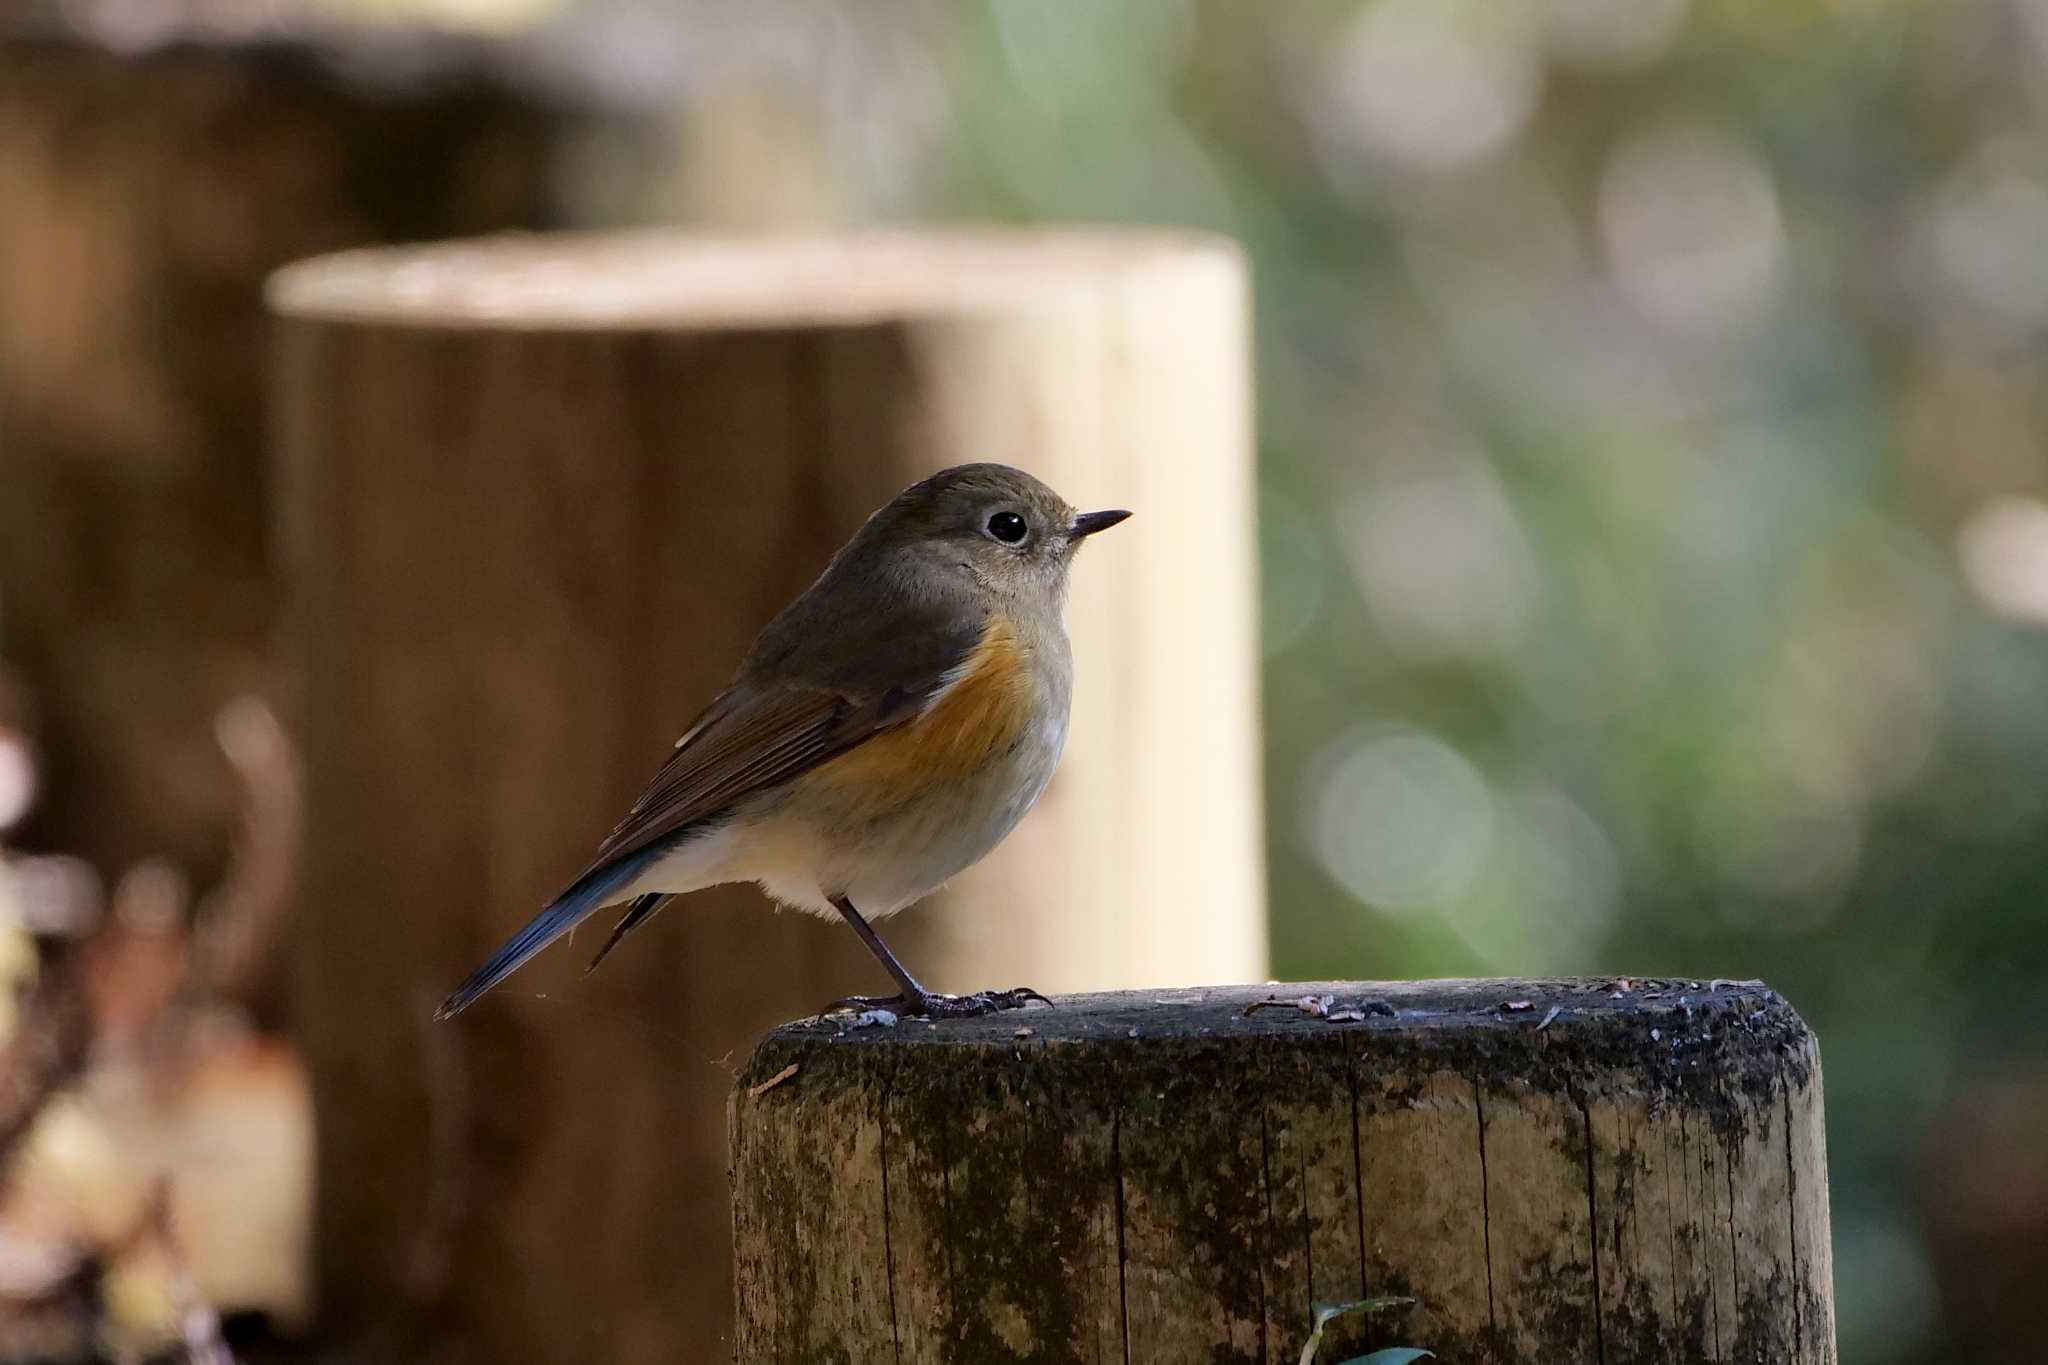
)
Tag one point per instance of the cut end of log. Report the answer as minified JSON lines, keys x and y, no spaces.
{"x":1597,"y":1169}
{"x":1717,"y":1042}
{"x":1570,"y":1004}
{"x":665,"y":279}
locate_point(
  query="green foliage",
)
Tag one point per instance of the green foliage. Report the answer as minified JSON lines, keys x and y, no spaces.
{"x":1654,"y":552}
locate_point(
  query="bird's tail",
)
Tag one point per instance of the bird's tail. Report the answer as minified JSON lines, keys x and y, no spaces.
{"x":599,"y":886}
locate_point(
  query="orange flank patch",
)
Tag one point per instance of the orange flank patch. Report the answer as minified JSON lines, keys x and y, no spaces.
{"x":973,"y":720}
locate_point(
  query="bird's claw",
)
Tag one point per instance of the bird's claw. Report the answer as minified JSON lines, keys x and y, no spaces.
{"x":975,"y":1005}
{"x":930,"y":1005}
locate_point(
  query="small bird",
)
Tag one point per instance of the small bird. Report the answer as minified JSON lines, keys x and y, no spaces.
{"x":885,"y":732}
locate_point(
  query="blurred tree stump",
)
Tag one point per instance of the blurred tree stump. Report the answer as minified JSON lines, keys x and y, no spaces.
{"x":540,"y":494}
{"x":1552,"y":1171}
{"x":152,"y":176}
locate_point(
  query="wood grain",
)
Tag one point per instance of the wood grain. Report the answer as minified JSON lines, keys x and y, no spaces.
{"x":1608,"y":1175}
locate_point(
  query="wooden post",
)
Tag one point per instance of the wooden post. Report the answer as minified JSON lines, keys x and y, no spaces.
{"x":539,"y":494}
{"x":1554,"y":1171}
{"x":145,"y":194}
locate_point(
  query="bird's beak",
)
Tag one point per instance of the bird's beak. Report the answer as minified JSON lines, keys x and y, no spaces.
{"x":1088,"y":523}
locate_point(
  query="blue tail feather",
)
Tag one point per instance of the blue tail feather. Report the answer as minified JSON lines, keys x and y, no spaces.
{"x":600,"y":886}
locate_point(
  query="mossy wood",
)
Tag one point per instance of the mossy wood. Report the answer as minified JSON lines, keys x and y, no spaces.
{"x":1554,"y":1171}
{"x":538,"y":494}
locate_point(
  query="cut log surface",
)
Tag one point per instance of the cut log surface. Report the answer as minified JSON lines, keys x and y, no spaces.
{"x":1553,"y":1171}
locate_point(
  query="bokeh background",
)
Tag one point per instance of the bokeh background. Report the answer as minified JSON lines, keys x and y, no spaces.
{"x":1653,"y":416}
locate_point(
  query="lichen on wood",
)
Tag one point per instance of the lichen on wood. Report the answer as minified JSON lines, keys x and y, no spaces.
{"x":1553,"y":1170}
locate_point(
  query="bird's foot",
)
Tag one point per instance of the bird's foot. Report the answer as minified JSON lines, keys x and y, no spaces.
{"x":930,"y":1005}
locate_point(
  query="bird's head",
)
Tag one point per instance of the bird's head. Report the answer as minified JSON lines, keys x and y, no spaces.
{"x":1011,"y":533}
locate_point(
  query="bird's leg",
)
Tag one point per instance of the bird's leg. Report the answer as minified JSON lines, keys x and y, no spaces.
{"x":915,"y":1000}
{"x":638,"y":911}
{"x":911,"y":989}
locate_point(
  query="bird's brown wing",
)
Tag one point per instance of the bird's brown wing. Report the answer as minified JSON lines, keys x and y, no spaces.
{"x":751,"y":738}
{"x":762,"y":732}
{"x":745,"y":742}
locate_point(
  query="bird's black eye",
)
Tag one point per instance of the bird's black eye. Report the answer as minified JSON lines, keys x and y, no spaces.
{"x":1007,"y":527}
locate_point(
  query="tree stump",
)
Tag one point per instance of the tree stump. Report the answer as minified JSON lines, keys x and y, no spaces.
{"x":147,"y":193}
{"x":539,"y":495}
{"x":1553,"y":1171}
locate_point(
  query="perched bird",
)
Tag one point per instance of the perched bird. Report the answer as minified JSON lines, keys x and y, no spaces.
{"x":886,"y":731}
